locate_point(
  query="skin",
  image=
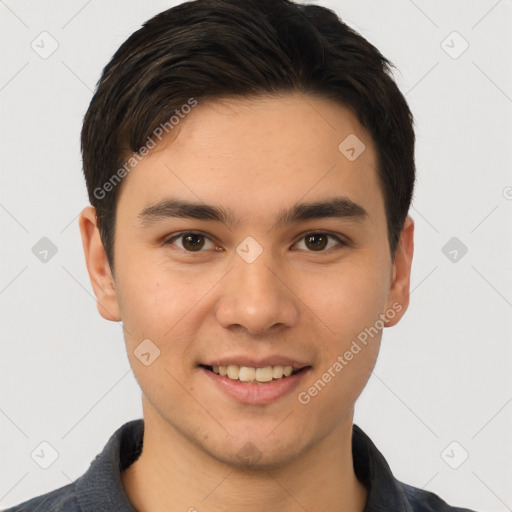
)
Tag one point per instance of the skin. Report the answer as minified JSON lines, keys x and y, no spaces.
{"x":254,"y":157}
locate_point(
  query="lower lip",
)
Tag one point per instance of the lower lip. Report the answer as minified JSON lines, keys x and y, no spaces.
{"x":256,"y":394}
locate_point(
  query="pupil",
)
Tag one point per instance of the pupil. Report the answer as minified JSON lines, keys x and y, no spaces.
{"x":193,"y":241}
{"x":318,"y":244}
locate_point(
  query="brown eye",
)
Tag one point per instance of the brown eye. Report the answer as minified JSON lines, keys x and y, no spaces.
{"x":319,"y":242}
{"x":191,"y":242}
{"x":316,"y":242}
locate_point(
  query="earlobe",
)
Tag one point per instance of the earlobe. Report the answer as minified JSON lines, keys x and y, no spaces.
{"x":98,"y":267}
{"x":399,"y":291}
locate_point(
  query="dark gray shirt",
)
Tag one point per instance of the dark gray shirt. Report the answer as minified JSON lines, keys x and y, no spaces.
{"x":100,"y":488}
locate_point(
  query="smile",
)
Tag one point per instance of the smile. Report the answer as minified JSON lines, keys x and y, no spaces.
{"x":254,"y":375}
{"x":253,"y":385}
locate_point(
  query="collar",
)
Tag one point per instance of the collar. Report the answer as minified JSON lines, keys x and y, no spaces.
{"x":101,"y":487}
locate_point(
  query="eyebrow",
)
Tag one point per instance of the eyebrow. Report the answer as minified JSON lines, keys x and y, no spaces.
{"x":338,"y":207}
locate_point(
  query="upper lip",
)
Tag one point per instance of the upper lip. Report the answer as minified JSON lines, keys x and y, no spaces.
{"x":253,"y":362}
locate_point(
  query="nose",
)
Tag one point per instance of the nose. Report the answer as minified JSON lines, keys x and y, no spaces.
{"x":257,"y":298}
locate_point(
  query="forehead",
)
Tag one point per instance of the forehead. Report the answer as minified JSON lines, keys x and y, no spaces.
{"x":259,"y":153}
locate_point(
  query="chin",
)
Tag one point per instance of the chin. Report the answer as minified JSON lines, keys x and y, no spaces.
{"x":256,"y":452}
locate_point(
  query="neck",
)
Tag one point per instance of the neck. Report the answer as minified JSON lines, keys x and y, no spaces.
{"x":172,"y":474}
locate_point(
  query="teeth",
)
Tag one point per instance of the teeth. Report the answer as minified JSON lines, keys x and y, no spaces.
{"x":287,"y":370}
{"x":264,"y":374}
{"x":277,"y":372}
{"x":233,"y":372}
{"x":248,"y":374}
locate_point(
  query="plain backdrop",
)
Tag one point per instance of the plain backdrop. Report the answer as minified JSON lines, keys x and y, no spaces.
{"x":441,"y":393}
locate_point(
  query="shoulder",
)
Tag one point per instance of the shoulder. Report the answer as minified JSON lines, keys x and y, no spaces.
{"x":62,"y":499}
{"x":425,"y":501}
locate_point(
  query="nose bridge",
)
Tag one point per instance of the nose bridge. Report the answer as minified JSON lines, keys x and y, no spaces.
{"x":255,"y":276}
{"x":253,"y":263}
{"x":255,"y":298}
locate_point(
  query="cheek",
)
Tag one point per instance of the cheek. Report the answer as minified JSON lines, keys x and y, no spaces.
{"x":167,"y":309}
{"x":346,"y":324}
{"x":348,"y":334}
{"x":344,"y":302}
{"x":332,"y":392}
{"x":157,"y":335}
{"x":151,"y":300}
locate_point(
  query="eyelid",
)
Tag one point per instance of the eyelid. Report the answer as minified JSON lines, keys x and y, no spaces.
{"x":169,"y":239}
{"x":342,"y":241}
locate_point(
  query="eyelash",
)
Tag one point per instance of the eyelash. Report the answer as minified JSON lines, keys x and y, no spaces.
{"x":341,"y":243}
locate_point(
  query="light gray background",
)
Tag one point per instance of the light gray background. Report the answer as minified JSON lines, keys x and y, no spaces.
{"x":444,"y":372}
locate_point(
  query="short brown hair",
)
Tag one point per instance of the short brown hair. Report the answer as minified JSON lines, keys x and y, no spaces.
{"x":225,"y":48}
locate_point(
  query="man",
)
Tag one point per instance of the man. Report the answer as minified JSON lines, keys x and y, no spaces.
{"x":250,"y":167}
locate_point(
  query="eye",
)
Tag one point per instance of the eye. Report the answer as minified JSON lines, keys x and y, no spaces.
{"x":191,"y":242}
{"x":319,"y":242}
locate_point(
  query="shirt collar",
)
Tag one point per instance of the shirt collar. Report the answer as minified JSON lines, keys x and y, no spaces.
{"x":101,"y":487}
{"x":372,"y":470}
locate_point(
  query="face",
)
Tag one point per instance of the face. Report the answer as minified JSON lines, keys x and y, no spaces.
{"x":242,"y":276}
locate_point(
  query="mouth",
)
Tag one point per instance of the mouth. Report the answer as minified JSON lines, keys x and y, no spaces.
{"x":250,"y":375}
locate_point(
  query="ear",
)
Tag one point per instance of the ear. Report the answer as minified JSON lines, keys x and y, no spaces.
{"x":399,"y":291}
{"x":98,"y":267}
